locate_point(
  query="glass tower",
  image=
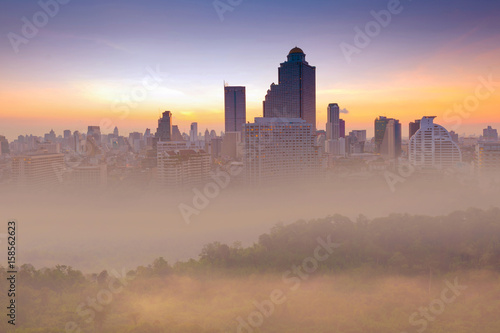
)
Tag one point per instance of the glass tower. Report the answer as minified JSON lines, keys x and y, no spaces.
{"x":295,"y":94}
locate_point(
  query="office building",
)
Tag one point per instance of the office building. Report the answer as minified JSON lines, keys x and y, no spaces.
{"x":388,"y":137}
{"x":414,"y":127}
{"x":164,"y":130}
{"x":487,"y":158}
{"x":193,"y":132}
{"x":38,"y":170}
{"x":279,"y":149}
{"x":432,"y":147}
{"x":235,"y":110}
{"x":182,"y":167}
{"x":333,"y":122}
{"x":295,"y":94}
{"x":490,"y":134}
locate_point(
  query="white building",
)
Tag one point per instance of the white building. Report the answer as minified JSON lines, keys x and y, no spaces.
{"x":182,"y":167}
{"x":432,"y":147}
{"x":279,"y":149}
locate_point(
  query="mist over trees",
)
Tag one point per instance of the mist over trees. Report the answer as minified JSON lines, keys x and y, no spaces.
{"x":405,"y":246}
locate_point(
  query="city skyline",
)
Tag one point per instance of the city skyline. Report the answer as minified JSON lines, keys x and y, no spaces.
{"x":401,"y":73}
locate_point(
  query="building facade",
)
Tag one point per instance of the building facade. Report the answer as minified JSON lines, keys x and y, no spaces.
{"x":164,"y":130}
{"x":432,"y":147}
{"x":295,"y":94}
{"x":235,"y":110}
{"x":279,"y":149}
{"x":41,"y":171}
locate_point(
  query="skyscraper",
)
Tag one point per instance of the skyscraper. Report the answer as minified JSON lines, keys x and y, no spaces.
{"x":164,"y":130}
{"x":295,"y":94}
{"x":342,"y":128}
{"x":388,"y":137}
{"x":333,"y":122}
{"x":235,"y":108}
{"x":414,"y":127}
{"x":432,"y":147}
{"x":193,"y":132}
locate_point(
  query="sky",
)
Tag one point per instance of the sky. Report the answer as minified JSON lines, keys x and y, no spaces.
{"x":121,"y":63}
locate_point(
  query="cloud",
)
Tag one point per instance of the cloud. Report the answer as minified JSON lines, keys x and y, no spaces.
{"x":344,"y":111}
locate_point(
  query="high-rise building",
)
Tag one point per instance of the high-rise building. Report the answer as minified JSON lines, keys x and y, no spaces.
{"x":342,"y":128}
{"x":94,"y":132}
{"x":295,"y":94}
{"x":388,"y":137}
{"x":414,"y":127}
{"x":490,"y":134}
{"x":176,"y":134}
{"x":183,"y":167}
{"x":487,"y":158}
{"x":432,"y":147}
{"x":333,"y":122}
{"x":38,"y":170}
{"x":235,"y":113}
{"x":193,"y":132}
{"x":164,"y":130}
{"x":4,"y":145}
{"x":89,"y":176}
{"x":279,"y":149}
{"x":116,"y":134}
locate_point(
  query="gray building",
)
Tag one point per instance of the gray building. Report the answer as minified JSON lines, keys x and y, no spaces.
{"x":333,"y":122}
{"x":235,"y":110}
{"x":295,"y":94}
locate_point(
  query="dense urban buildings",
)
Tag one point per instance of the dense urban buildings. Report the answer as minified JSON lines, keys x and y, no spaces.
{"x":432,"y":147}
{"x":279,"y":149}
{"x":95,"y":133}
{"x":235,"y":110}
{"x":295,"y":94}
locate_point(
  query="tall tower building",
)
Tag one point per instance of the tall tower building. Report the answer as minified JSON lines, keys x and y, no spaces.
{"x":235,"y":110}
{"x":432,"y":147}
{"x":94,"y":132}
{"x":295,"y":94}
{"x":388,"y":137}
{"x":164,"y":130}
{"x":193,"y":133}
{"x":333,"y":122}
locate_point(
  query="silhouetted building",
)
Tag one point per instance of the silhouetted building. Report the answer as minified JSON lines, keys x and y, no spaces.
{"x":295,"y":94}
{"x":342,"y":128}
{"x":235,"y":110}
{"x":164,"y":130}
{"x":414,"y":127}
{"x":490,"y":134}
